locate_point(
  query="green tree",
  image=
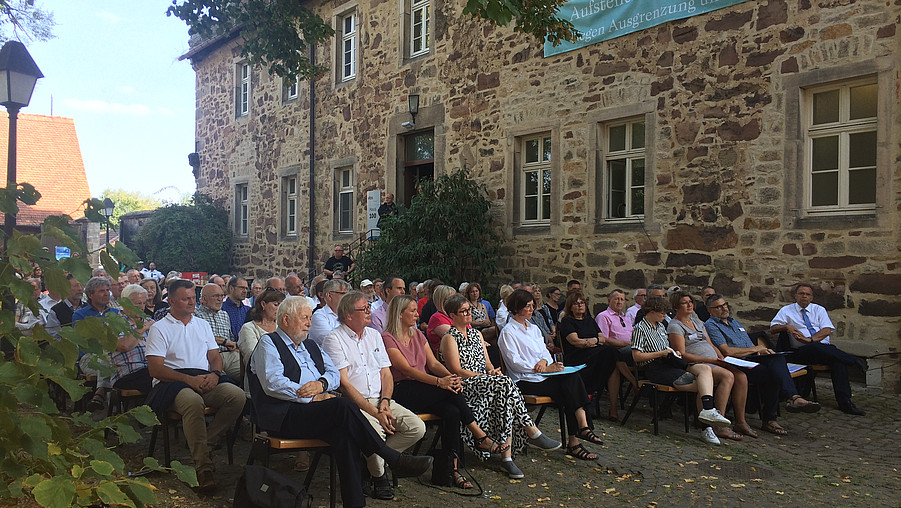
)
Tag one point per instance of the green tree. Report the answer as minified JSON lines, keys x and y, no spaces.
{"x":192,"y":237}
{"x":126,"y":202}
{"x":26,"y":20}
{"x":446,"y":233}
{"x":278,"y":33}
{"x":55,"y":459}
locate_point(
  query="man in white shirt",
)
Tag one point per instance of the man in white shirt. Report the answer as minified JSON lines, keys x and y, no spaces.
{"x":326,"y":319}
{"x":183,"y":358}
{"x":393,"y":286}
{"x":639,"y":295}
{"x":360,"y":356}
{"x":808,"y":328}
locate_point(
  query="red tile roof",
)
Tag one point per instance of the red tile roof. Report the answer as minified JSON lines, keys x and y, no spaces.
{"x":48,"y":157}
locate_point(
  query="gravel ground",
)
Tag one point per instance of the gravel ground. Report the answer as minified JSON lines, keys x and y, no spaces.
{"x":828,"y":459}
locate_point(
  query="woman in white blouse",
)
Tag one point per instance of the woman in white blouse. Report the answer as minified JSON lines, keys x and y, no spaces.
{"x":529,"y":362}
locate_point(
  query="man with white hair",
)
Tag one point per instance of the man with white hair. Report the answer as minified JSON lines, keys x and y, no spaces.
{"x":326,"y":319}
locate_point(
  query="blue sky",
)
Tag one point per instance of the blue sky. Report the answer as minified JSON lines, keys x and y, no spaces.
{"x":114,"y":68}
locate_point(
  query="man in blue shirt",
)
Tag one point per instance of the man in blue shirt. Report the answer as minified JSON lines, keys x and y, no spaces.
{"x":97,"y":292}
{"x":290,"y":378}
{"x":771,"y":375}
{"x":236,"y":291}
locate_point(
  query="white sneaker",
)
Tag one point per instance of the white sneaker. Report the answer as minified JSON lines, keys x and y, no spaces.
{"x":713,"y":417}
{"x":709,"y":436}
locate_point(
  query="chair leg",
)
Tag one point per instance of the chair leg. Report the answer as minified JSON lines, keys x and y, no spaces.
{"x":332,"y":482}
{"x":632,"y":406}
{"x":654,"y":409}
{"x":308,"y":479}
{"x":813,"y":385}
{"x":153,"y":434}
{"x":166,"y":458}
{"x":687,"y":408}
{"x":562,"y":415}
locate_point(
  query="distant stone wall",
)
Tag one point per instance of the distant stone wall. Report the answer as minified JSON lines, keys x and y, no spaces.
{"x":719,"y":93}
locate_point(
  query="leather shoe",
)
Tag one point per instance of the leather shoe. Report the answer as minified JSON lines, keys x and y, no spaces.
{"x":381,"y":488}
{"x":411,"y":465}
{"x":851,"y":409}
{"x":862,"y":363}
{"x":206,"y":481}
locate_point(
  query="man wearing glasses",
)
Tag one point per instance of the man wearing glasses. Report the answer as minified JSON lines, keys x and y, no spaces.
{"x":618,"y":330}
{"x":640,"y":295}
{"x":210,"y":310}
{"x":359,"y":354}
{"x":326,"y":319}
{"x":234,"y":305}
{"x":338,"y":263}
{"x":771,"y":375}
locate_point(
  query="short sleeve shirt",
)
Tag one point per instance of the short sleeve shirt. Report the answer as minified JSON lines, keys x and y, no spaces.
{"x":181,"y":346}
{"x":364,"y":357}
{"x":414,"y":353}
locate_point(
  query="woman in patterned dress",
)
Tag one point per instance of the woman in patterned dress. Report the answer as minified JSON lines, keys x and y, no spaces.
{"x":494,"y":399}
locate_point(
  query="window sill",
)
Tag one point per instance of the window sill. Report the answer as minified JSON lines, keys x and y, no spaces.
{"x":620,"y":226}
{"x":855,"y":220}
{"x":531,"y":229}
{"x":345,"y":83}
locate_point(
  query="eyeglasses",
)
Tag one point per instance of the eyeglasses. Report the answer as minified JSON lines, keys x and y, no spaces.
{"x":280,"y":290}
{"x":338,"y":292}
{"x":217,"y":297}
{"x":720,"y":306}
{"x":465,"y":311}
{"x":366,"y":309}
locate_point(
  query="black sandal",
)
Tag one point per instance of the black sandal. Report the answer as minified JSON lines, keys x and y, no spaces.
{"x":578,"y":451}
{"x":586,"y":434}
{"x":460,"y":481}
{"x":493,"y":448}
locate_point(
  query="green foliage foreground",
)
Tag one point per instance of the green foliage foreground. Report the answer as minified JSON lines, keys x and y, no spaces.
{"x":57,"y":459}
{"x":446,"y":234}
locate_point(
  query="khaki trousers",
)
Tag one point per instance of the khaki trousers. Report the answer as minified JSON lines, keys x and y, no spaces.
{"x":408,"y":430}
{"x":231,"y":365}
{"x":229,"y":401}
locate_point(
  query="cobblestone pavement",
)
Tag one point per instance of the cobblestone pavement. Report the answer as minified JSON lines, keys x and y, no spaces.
{"x":828,"y":459}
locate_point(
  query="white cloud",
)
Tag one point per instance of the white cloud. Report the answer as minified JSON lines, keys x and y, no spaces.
{"x":98,"y":106}
{"x":127,"y":89}
{"x":108,"y":17}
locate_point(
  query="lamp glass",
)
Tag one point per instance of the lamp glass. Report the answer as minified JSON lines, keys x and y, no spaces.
{"x":414,"y":103}
{"x":108,"y":206}
{"x":16,"y":87}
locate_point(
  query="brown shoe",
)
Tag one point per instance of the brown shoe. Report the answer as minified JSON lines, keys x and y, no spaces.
{"x":206,"y":481}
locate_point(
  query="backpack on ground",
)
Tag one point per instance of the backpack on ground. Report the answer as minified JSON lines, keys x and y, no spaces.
{"x":261,"y":487}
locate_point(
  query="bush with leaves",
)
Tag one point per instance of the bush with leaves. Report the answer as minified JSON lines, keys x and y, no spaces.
{"x":193,"y":237}
{"x":57,"y":459}
{"x":446,"y":233}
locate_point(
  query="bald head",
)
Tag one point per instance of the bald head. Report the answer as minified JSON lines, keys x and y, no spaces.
{"x":293,"y":285}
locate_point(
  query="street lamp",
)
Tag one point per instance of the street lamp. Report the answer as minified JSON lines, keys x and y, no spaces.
{"x":18,"y":75}
{"x":107,"y":212}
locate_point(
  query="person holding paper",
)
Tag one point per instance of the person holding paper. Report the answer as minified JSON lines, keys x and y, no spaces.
{"x":808,"y":328}
{"x":687,"y":335}
{"x":528,"y":361}
{"x":771,"y":374}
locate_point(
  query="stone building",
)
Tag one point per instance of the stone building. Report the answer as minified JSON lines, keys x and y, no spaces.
{"x":750,"y":148}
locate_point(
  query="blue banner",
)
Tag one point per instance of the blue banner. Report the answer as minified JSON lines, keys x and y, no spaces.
{"x":601,"y":20}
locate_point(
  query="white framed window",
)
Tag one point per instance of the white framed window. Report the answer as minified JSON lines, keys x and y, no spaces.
{"x":840,"y":147}
{"x":242,"y":210}
{"x":536,"y":180}
{"x":348,"y":50}
{"x":624,"y":168}
{"x":420,"y":27}
{"x":291,"y":90}
{"x":243,"y":93}
{"x":345,"y":193}
{"x":289,"y":206}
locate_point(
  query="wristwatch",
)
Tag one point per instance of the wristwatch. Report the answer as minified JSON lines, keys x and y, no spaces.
{"x":324,"y":384}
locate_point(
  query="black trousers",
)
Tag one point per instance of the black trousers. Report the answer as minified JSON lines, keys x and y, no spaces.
{"x":564,"y":388}
{"x":838,"y":362}
{"x":451,"y":407}
{"x":773,"y":382}
{"x":600,"y":362}
{"x":339,"y":423}
{"x":139,"y":380}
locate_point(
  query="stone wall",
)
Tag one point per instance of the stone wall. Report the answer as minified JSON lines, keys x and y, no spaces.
{"x":719,"y":93}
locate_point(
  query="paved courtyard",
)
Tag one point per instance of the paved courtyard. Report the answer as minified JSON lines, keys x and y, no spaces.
{"x":828,"y":459}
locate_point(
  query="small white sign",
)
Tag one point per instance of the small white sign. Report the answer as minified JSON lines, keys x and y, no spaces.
{"x":373,"y":201}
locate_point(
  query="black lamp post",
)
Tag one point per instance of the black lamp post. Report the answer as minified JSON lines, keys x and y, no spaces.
{"x":18,"y":75}
{"x":108,"y":206}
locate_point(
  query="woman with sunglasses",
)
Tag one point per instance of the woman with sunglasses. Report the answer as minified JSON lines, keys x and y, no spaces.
{"x":528,"y":362}
{"x":424,"y":385}
{"x":494,"y":399}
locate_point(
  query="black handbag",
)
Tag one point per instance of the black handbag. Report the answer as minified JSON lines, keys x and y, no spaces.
{"x":674,"y":361}
{"x":261,"y":487}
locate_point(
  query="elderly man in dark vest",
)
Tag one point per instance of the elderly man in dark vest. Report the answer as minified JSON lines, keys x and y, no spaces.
{"x":289,"y":379}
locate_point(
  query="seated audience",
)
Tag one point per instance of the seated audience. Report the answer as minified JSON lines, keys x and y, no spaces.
{"x":639,"y":296}
{"x":494,"y":399}
{"x":808,"y":328}
{"x":393,"y":286}
{"x":440,"y":322}
{"x":262,"y":322}
{"x":210,"y":309}
{"x":583,"y":343}
{"x":235,"y":292}
{"x":154,"y":297}
{"x":661,"y":364}
{"x":503,"y":315}
{"x":480,"y":319}
{"x":527,"y":358}
{"x":60,"y":315}
{"x":184,"y":360}
{"x":613,"y":324}
{"x":289,"y":377}
{"x":688,"y":337}
{"x":359,"y":355}
{"x":552,"y":308}
{"x":97,"y":291}
{"x":130,"y":358}
{"x":771,"y":373}
{"x":424,"y":385}
{"x":326,"y":319}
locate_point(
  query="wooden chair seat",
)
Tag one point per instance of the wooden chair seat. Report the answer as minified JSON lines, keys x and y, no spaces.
{"x":264,"y":446}
{"x":544,"y":402}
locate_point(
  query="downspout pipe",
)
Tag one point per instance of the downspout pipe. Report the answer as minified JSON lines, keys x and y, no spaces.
{"x":312,"y":215}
